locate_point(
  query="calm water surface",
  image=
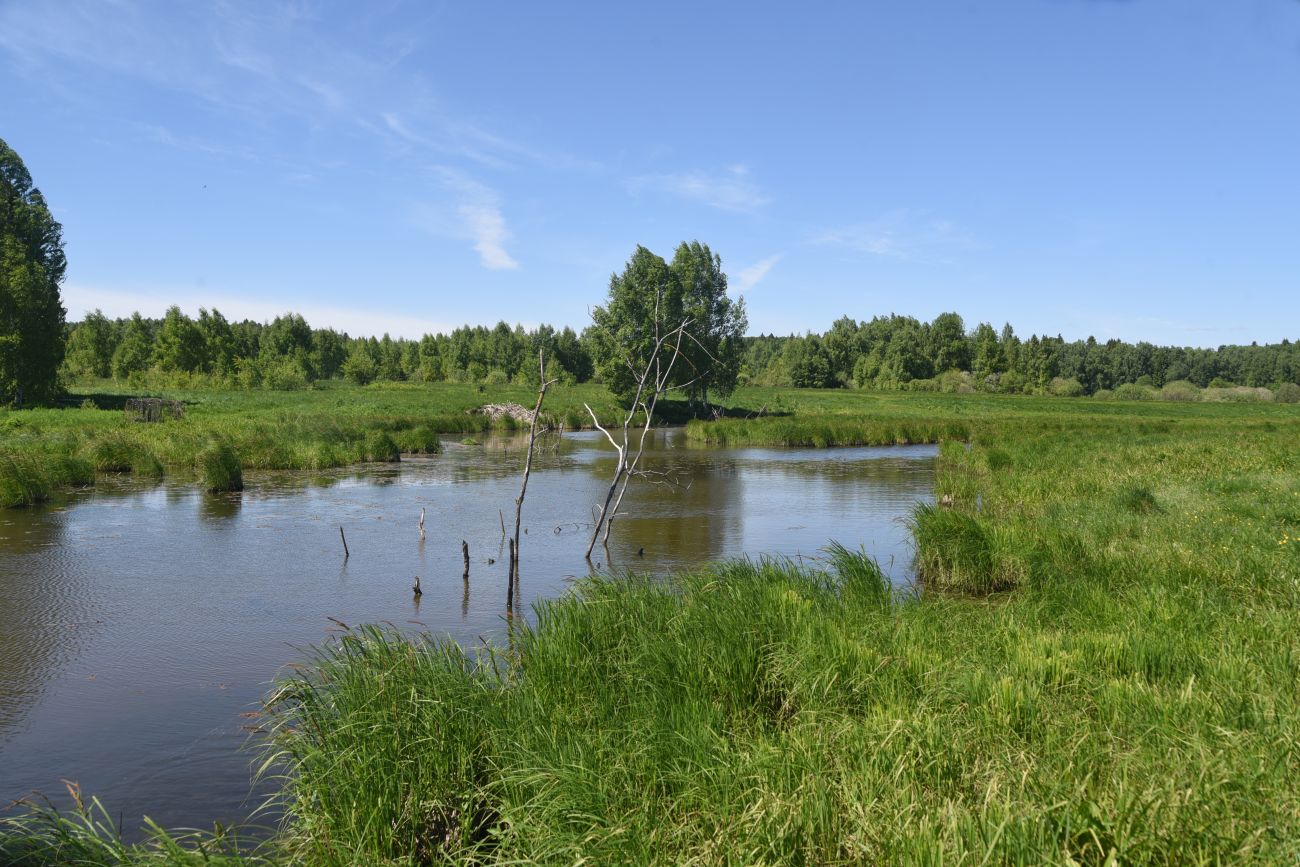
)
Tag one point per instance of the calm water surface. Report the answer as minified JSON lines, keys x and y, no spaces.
{"x":138,"y":625}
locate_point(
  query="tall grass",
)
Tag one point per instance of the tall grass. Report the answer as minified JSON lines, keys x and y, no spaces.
{"x":824,"y":430}
{"x":44,"y":837}
{"x":1116,"y":680}
{"x":221,"y":468}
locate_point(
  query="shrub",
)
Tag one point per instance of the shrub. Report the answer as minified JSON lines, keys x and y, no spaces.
{"x":1011,"y":382}
{"x":496,"y":376}
{"x":1237,"y":394}
{"x":1287,"y":392}
{"x":221,"y":468}
{"x":359,"y":367}
{"x":1063,"y":387}
{"x":922,"y":385}
{"x":1103,"y":394}
{"x":1134,"y":391}
{"x":1180,"y":389}
{"x":287,"y":374}
{"x":954,"y":381}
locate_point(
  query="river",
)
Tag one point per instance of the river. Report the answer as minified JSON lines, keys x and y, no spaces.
{"x":140,"y":625}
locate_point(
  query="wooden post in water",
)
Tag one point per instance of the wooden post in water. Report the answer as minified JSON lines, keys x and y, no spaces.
{"x":422,"y":523}
{"x":464,"y":552}
{"x":346,"y":553}
{"x":510,"y":578}
{"x":513,"y":577}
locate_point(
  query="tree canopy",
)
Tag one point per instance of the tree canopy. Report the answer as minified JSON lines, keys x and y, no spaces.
{"x":650,"y":300}
{"x":32,"y":264}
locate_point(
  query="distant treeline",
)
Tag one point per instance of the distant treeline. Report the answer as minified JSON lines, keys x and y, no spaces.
{"x":888,"y":352}
{"x":288,"y":353}
{"x":901,"y":352}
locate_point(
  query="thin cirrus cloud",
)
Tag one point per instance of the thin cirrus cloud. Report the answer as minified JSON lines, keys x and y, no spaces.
{"x":749,"y":277}
{"x":904,"y":235}
{"x":729,"y":190}
{"x":478,"y":218}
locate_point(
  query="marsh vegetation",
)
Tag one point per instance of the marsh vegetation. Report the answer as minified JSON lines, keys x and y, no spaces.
{"x":1100,"y":664}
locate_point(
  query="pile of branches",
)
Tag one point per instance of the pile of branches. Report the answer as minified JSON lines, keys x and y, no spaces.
{"x":495,"y":411}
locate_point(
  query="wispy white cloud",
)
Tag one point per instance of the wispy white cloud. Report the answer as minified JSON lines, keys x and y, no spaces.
{"x":477,"y":218}
{"x":730,"y":190}
{"x":749,"y":277}
{"x":81,"y":299}
{"x":268,"y":63}
{"x":903,"y":234}
{"x":488,"y":228}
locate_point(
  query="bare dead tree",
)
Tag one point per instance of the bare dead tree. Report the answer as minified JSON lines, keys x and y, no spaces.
{"x":652,"y":380}
{"x":544,"y":384}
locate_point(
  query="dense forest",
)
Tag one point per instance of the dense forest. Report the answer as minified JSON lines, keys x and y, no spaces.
{"x":887,"y":352}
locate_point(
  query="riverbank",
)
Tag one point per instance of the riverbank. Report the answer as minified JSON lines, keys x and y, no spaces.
{"x":1104,"y":665}
{"x":45,"y":450}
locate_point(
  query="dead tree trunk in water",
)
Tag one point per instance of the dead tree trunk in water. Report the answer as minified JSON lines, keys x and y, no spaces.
{"x":544,"y":384}
{"x":651,"y":382}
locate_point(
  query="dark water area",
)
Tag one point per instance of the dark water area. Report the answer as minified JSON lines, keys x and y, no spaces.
{"x":141,"y":626}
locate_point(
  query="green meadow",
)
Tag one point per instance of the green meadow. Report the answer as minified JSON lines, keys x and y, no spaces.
{"x":1100,"y":666}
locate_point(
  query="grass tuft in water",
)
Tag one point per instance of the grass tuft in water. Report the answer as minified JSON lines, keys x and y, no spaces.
{"x":22,"y":481}
{"x":955,"y":551}
{"x":379,"y":446}
{"x":40,"y":836}
{"x":221,"y":468}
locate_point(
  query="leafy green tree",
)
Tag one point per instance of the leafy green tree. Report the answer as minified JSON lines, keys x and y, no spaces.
{"x":652,"y":300}
{"x":32,"y":265}
{"x":643,"y":307}
{"x":179,"y":343}
{"x":843,"y":345}
{"x":135,"y":351}
{"x":988,"y":353}
{"x":807,"y":363}
{"x":949,"y":348}
{"x":713,"y":353}
{"x":360,"y":366}
{"x":905,"y":358}
{"x":220,"y":348}
{"x":90,"y":346}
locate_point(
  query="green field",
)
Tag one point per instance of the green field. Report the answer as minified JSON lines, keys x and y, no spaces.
{"x":1102,"y":666}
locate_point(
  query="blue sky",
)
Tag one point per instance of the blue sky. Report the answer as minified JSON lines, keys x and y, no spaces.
{"x":1119,"y":169}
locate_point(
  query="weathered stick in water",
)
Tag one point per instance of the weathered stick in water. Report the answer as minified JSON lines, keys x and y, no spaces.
{"x":510,"y":579}
{"x":502,"y":516}
{"x":464,"y":552}
{"x":528,"y":462}
{"x":346,"y":554}
{"x":422,"y":523}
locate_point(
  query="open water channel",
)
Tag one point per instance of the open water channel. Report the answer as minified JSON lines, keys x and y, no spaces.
{"x":141,"y":625}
